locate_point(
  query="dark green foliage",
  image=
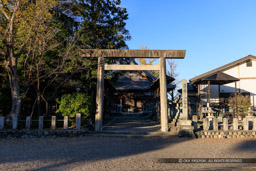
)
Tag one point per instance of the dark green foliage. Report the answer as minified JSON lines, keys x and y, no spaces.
{"x":102,"y":23}
{"x":71,"y":104}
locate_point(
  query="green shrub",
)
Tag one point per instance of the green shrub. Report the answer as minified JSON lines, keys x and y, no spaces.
{"x":243,"y":103}
{"x":71,"y":104}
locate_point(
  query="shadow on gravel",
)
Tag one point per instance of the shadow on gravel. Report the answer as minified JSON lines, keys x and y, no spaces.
{"x":66,"y":151}
{"x":249,"y":145}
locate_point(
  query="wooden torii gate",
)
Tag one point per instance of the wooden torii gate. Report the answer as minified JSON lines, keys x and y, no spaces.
{"x":114,"y":53}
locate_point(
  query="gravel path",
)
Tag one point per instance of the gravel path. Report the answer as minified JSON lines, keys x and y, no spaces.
{"x":119,"y":153}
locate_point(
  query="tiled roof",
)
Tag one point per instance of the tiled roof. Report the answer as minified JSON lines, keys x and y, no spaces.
{"x":132,"y":81}
{"x":137,"y":81}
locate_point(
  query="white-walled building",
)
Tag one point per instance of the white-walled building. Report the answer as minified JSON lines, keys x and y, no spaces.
{"x":243,"y":69}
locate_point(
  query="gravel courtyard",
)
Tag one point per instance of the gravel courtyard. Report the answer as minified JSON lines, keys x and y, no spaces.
{"x":120,"y":153}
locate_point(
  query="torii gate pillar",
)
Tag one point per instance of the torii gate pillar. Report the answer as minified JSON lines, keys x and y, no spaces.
{"x":100,"y":95}
{"x":163,"y":96}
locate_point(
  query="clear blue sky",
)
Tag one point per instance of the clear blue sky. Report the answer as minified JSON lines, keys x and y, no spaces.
{"x":214,"y":32}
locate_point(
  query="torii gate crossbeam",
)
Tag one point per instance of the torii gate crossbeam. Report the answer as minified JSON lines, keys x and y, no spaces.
{"x":114,"y":53}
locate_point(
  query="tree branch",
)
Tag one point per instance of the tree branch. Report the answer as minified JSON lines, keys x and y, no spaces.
{"x":14,"y":11}
{"x":10,"y":19}
{"x":2,"y":52}
{"x":4,"y":13}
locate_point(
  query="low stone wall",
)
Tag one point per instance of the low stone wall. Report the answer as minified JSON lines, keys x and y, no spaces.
{"x":212,"y":128}
{"x":42,"y":133}
{"x":40,"y":122}
{"x":226,"y":134}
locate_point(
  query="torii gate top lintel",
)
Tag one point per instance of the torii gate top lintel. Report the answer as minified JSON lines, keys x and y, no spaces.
{"x":125,"y":53}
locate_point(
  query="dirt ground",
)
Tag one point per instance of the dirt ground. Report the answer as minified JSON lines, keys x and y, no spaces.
{"x":122,"y":153}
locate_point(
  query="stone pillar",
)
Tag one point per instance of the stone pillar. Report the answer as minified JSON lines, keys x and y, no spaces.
{"x":215,"y":124}
{"x":184,"y":124}
{"x":194,"y":121}
{"x":15,"y":122}
{"x":1,"y":122}
{"x":254,"y":124}
{"x":184,"y":115}
{"x":235,"y":124}
{"x":65,"y":123}
{"x":225,"y":124}
{"x":78,"y":121}
{"x":245,"y":124}
{"x":53,"y":123}
{"x":28,"y":122}
{"x":99,"y":95}
{"x":41,"y":123}
{"x":163,"y":95}
{"x":205,"y":124}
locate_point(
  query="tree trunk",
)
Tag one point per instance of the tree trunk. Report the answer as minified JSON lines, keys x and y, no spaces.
{"x":15,"y":93}
{"x":11,"y":66}
{"x":38,"y":92}
{"x":46,"y":106}
{"x":14,"y":83}
{"x":38,"y":104}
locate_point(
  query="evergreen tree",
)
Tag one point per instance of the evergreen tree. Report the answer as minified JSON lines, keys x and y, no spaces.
{"x":102,"y":24}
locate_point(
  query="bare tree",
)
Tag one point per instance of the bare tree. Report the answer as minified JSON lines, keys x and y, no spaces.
{"x":172,"y":72}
